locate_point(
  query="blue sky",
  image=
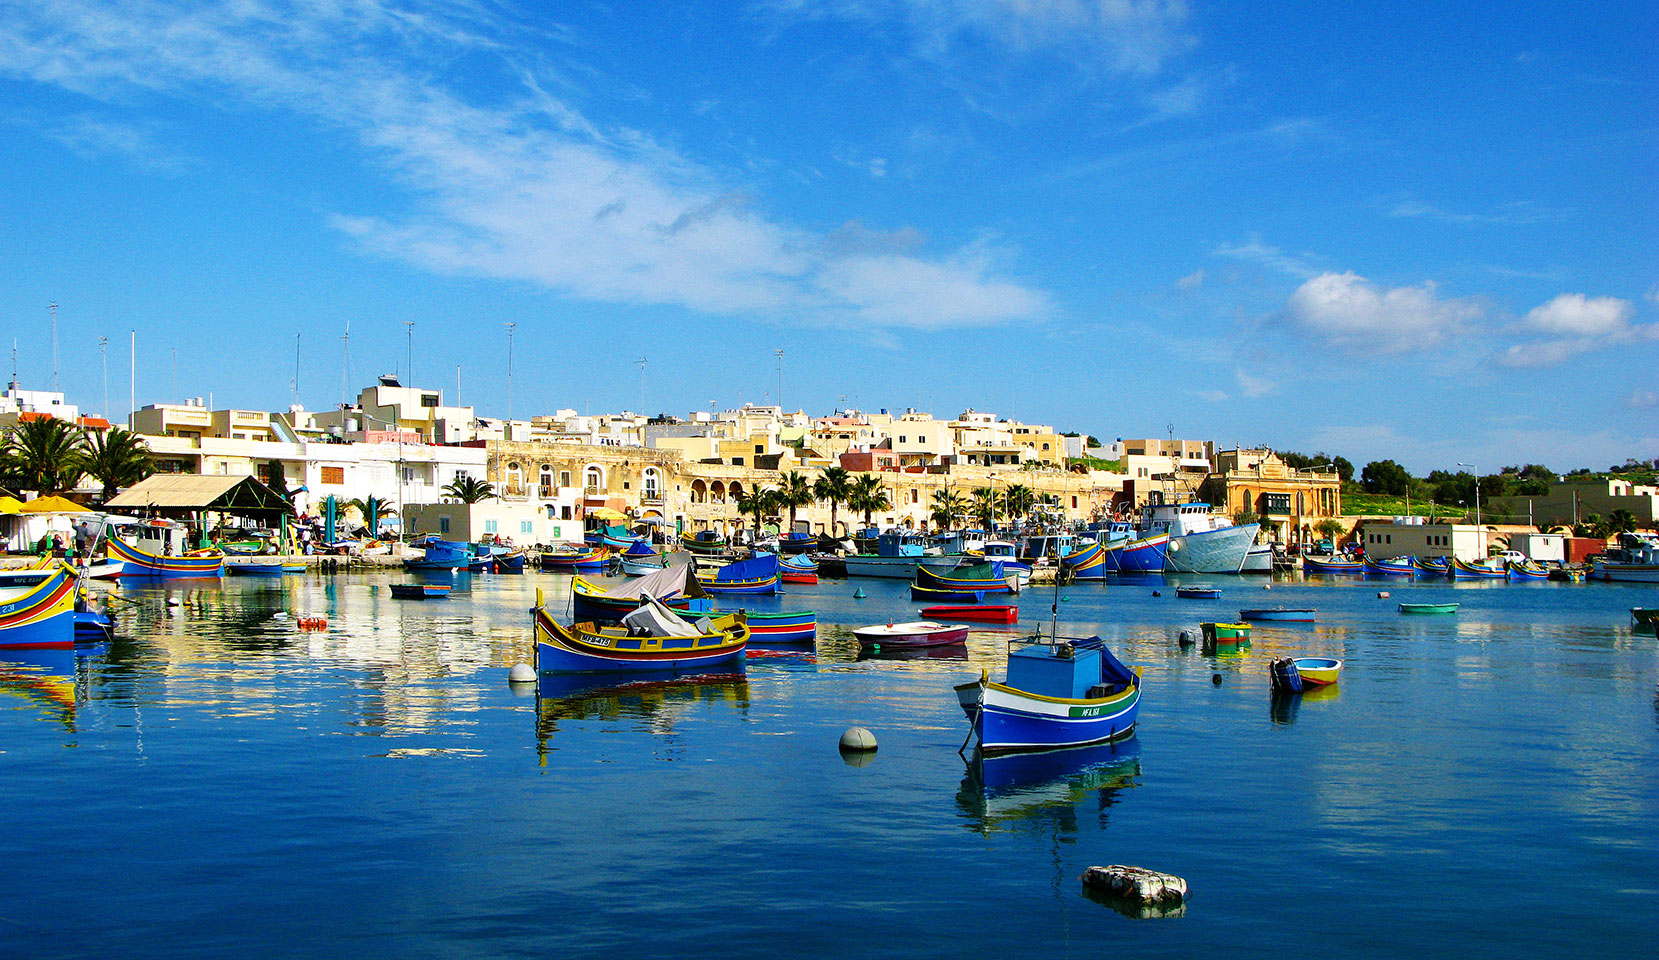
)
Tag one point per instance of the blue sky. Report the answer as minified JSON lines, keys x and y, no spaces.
{"x":1407,"y":230}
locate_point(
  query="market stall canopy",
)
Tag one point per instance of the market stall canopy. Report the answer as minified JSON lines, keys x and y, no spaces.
{"x":52,"y":504}
{"x":174,"y":493}
{"x":606,"y":513}
{"x":10,"y":505}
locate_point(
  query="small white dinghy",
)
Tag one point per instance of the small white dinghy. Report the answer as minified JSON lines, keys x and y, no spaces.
{"x":916,"y":633}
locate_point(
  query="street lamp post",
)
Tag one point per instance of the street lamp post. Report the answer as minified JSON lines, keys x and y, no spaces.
{"x":1477,"y":489}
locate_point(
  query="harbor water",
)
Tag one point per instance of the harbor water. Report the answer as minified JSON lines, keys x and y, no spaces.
{"x":218,"y":781}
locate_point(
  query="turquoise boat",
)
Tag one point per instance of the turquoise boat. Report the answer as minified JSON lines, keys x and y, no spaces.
{"x":1428,"y":607}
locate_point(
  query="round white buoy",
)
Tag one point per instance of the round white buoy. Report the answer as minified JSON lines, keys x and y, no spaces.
{"x":174,"y":602}
{"x":1382,"y":594}
{"x":1267,"y":586}
{"x":858,"y":740}
{"x":521,"y":673}
{"x":280,"y":615}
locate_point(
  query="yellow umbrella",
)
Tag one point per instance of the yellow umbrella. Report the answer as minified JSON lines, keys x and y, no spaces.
{"x":52,"y":504}
{"x":606,"y":513}
{"x":10,"y":505}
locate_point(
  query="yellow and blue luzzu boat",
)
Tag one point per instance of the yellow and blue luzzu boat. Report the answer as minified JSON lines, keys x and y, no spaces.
{"x":142,"y":563}
{"x":659,"y":643}
{"x":37,"y":609}
{"x":758,"y":575}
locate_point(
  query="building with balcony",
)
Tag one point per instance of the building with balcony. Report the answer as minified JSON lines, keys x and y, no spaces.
{"x":1260,"y":483}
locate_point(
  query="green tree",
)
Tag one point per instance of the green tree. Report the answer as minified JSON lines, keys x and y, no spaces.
{"x":834,"y":487}
{"x":1385,"y":476}
{"x":1590,"y":526}
{"x":382,"y":510}
{"x":869,"y":495}
{"x":759,"y":501}
{"x":948,"y":504}
{"x":45,"y":455}
{"x":469,"y":489}
{"x":1328,"y":528}
{"x":1620,"y":521}
{"x":794,"y":491}
{"x":116,"y":458}
{"x":1017,"y":501}
{"x":1344,"y":469}
{"x":985,"y":506}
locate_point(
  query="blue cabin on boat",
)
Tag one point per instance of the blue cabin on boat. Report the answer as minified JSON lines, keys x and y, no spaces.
{"x":900,"y":545}
{"x":1063,"y":671}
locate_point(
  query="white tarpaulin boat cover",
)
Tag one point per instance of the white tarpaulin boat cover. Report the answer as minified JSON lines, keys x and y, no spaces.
{"x":658,"y":621}
{"x":678,"y":579}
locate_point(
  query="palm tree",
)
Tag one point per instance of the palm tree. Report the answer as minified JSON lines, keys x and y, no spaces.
{"x":382,"y":508}
{"x":1017,"y":501}
{"x":948,"y":504}
{"x":116,"y":458}
{"x":45,"y":455}
{"x":794,"y":491}
{"x":759,"y":501}
{"x":1620,"y":521}
{"x":868,"y":495}
{"x":835,"y":485}
{"x":985,"y":507}
{"x":469,"y":489}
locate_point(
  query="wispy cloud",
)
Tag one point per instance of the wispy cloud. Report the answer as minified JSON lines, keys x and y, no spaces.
{"x":1254,"y":250}
{"x":1127,"y":36}
{"x":1517,"y":212}
{"x":522,"y":187}
{"x":92,"y":137}
{"x":1191,"y":281}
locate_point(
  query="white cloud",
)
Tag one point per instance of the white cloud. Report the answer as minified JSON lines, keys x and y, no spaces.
{"x":522,"y":187}
{"x":1515,"y":212}
{"x":1346,"y":311}
{"x":1128,"y":36}
{"x":1254,"y":386}
{"x":1572,"y":324}
{"x":1191,"y":281}
{"x":1642,"y":399}
{"x":1254,"y":250}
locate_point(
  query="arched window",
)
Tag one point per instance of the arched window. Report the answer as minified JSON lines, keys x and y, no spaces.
{"x":651,"y":484}
{"x":593,"y":478}
{"x":735,"y":490}
{"x":515,"y":476}
{"x":699,"y":491}
{"x":547,"y":479}
{"x":717,"y":492}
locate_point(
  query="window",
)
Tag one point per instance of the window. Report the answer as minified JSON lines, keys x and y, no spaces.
{"x":593,"y":478}
{"x":526,"y":526}
{"x":489,"y":526}
{"x":1074,"y":503}
{"x":334,"y":475}
{"x":564,"y":514}
{"x":901,"y":439}
{"x":429,"y":400}
{"x":564,"y":478}
{"x":737,"y":461}
{"x":760,"y":448}
{"x":443,"y":524}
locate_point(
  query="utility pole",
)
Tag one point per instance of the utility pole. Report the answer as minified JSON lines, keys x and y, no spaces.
{"x":641,"y":361}
{"x":53,"y":308}
{"x":780,"y":383}
{"x":132,"y":375}
{"x":103,"y":357}
{"x":345,"y":363}
{"x":506,"y":426}
{"x":409,"y":366}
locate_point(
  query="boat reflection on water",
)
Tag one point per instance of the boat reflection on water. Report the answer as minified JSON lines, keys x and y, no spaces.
{"x":1053,"y":789}
{"x":1283,"y":707}
{"x":949,"y":651}
{"x":46,"y":679}
{"x":658,"y":701}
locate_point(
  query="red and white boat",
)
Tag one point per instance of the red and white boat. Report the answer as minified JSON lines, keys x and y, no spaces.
{"x":984,"y":613}
{"x":916,"y":633}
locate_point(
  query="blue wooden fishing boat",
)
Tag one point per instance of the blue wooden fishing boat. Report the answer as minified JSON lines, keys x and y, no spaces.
{"x":1278,"y":614}
{"x":796,"y":542}
{"x":703,"y":542}
{"x":616,"y":537}
{"x":441,"y":556}
{"x":1198,"y":593}
{"x":1006,"y":552}
{"x":1332,"y":566}
{"x":1464,"y":570}
{"x":1059,"y":692}
{"x":969,"y":578}
{"x":1390,"y":567}
{"x":142,"y":563}
{"x":420,"y":591}
{"x":650,"y":639}
{"x":1527,"y":570}
{"x":1143,"y":554}
{"x":797,"y":569}
{"x":1429,"y":607}
{"x":37,"y":608}
{"x":590,"y":558}
{"x":1088,"y":562}
{"x":1433,"y":567}
{"x":507,"y":559}
{"x":92,"y":626}
{"x":757,"y":575}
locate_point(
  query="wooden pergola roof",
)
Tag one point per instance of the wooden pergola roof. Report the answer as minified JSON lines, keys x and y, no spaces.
{"x":178,"y":493}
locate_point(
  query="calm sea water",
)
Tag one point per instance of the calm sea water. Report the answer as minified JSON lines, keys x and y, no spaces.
{"x":219,"y":782}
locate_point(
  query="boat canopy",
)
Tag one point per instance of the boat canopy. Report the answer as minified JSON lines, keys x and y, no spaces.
{"x":678,"y":579}
{"x":654,"y":619}
{"x":758,"y":567}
